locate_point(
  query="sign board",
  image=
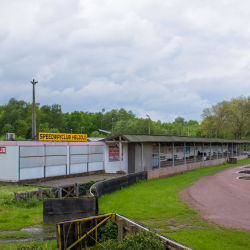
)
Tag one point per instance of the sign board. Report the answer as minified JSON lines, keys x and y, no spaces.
{"x":114,"y":153}
{"x":2,"y":150}
{"x":61,"y":137}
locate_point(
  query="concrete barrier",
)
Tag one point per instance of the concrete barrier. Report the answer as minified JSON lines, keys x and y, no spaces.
{"x":170,"y":171}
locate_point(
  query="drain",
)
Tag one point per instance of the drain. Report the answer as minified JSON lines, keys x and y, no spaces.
{"x":244,"y":172}
{"x":247,"y":178}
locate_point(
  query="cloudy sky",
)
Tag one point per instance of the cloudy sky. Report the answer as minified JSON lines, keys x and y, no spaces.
{"x":165,"y":58}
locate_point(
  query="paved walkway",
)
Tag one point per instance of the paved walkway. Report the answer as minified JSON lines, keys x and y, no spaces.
{"x":73,"y":180}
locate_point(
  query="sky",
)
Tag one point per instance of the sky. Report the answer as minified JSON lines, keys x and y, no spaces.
{"x":161,"y":58}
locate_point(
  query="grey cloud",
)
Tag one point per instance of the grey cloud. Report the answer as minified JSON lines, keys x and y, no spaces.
{"x":165,"y":58}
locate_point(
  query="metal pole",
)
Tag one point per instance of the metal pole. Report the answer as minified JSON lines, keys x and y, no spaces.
{"x":184,"y":153}
{"x":149,"y":125}
{"x":34,"y":110}
{"x":227,"y":150}
{"x":120,"y":152}
{"x":210,"y":150}
{"x":217,"y":151}
{"x":159,"y":158}
{"x":222,"y":152}
{"x":173,"y":153}
{"x":142,"y":168}
{"x":203,"y":151}
{"x":236,"y":149}
{"x":188,"y":130}
{"x":232,"y":150}
{"x":194,"y":152}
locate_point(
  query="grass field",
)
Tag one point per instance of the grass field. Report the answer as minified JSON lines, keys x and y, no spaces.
{"x":14,"y":217}
{"x":157,"y":203}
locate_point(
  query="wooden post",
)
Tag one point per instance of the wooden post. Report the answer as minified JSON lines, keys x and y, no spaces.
{"x":120,"y":230}
{"x":132,"y":229}
{"x":40,"y":193}
{"x":60,"y":192}
{"x":77,"y":190}
{"x":17,"y":196}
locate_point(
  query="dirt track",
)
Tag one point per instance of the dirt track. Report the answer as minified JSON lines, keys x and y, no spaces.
{"x":222,"y":198}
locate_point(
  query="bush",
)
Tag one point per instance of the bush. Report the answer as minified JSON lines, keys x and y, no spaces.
{"x":107,"y":231}
{"x":144,"y":240}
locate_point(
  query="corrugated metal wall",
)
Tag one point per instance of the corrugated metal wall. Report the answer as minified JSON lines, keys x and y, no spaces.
{"x":86,"y":158}
{"x":47,"y":161}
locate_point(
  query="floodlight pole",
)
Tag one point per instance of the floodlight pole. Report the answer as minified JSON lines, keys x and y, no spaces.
{"x":34,"y":110}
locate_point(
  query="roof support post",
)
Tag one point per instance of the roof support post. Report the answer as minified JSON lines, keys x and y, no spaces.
{"x":232,"y":150}
{"x":227,"y":150}
{"x":194,"y":152}
{"x":173,"y":153}
{"x":217,"y":151}
{"x":203,"y":151}
{"x":222,"y":153}
{"x":159,"y":158}
{"x":237,"y":149}
{"x":120,"y":152}
{"x":142,"y":168}
{"x":184,"y":151}
{"x":210,"y":151}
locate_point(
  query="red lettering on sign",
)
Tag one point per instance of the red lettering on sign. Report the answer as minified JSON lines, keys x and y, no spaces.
{"x":2,"y":150}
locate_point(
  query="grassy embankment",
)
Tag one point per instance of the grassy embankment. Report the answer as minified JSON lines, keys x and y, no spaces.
{"x":15,"y":216}
{"x":157,"y":203}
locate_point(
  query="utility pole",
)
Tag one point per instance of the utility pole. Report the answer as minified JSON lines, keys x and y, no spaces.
{"x":34,"y":110}
{"x":148,"y":124}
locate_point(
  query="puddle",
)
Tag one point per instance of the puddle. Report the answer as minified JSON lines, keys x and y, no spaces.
{"x":246,"y":167}
{"x":33,"y":230}
{"x":28,"y":239}
{"x":247,"y":178}
{"x":244,"y":172}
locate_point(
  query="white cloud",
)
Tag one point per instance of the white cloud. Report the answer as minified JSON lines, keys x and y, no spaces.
{"x":164,"y":58}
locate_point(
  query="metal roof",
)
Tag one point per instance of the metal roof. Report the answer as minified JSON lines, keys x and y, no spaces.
{"x":170,"y":138}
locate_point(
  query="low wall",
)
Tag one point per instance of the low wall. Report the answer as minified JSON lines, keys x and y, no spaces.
{"x":111,"y":185}
{"x":241,"y":157}
{"x":165,"y":172}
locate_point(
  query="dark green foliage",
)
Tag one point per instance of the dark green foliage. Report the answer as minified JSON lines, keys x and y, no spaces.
{"x":16,"y":117}
{"x":141,"y":241}
{"x":107,"y":231}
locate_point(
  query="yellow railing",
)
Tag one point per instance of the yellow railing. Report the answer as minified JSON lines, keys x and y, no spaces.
{"x":79,"y":239}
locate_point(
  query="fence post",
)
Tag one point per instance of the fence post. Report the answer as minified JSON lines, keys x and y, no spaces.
{"x":132,"y":229}
{"x":17,"y":196}
{"x":77,"y":189}
{"x":120,"y":230}
{"x":60,"y":192}
{"x":40,"y":193}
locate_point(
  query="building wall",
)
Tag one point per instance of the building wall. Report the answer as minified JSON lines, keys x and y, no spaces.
{"x":39,"y":159}
{"x":131,"y":157}
{"x":9,"y":164}
{"x":113,"y":167}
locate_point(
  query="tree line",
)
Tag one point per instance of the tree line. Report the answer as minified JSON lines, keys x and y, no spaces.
{"x":16,"y":117}
{"x":229,"y":119}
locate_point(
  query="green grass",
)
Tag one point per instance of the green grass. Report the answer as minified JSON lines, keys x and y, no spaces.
{"x":15,"y":216}
{"x":48,"y":245}
{"x":157,"y":203}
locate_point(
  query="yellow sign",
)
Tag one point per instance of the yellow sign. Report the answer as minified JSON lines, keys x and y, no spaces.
{"x":61,"y":137}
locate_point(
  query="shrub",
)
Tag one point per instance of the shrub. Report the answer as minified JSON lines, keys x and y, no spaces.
{"x":144,"y":240}
{"x":107,"y":231}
